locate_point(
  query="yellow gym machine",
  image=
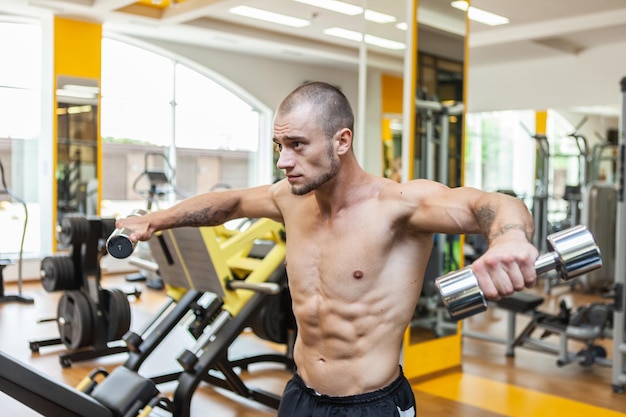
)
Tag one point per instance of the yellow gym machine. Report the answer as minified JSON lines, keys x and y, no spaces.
{"x":228,"y":280}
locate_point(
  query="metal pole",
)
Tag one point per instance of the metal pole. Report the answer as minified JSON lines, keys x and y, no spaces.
{"x":359,"y":138}
{"x":619,"y":344}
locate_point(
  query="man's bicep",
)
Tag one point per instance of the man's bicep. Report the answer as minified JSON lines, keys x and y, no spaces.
{"x":259,"y":202}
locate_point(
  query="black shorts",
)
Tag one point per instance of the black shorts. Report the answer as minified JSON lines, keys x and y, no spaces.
{"x":395,"y":400}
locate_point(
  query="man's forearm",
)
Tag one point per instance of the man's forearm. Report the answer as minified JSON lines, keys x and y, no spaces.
{"x":495,"y":222}
{"x":202,"y":210}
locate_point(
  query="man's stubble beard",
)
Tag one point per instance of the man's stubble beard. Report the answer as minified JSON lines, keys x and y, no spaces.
{"x":320,"y":180}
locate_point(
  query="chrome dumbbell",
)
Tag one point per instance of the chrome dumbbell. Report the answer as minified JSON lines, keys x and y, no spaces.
{"x":573,"y":252}
{"x":119,"y":244}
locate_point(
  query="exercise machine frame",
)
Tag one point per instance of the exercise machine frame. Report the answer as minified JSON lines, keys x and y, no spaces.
{"x":618,"y":380}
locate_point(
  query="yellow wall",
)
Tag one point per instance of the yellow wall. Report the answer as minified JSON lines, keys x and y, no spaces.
{"x":541,"y":122}
{"x":391,"y":94}
{"x":77,"y":48}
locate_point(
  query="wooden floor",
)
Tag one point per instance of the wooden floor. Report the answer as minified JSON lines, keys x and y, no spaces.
{"x":529,"y":376}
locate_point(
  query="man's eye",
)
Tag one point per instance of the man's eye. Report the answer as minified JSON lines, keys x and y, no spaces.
{"x":278,"y":146}
{"x":297,"y":144}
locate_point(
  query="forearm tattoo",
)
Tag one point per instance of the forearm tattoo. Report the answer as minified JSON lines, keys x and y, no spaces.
{"x":205,"y":217}
{"x":486,"y":217}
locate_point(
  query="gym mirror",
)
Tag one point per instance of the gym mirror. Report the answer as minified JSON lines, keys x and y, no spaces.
{"x":77,"y":145}
{"x":437,"y":155}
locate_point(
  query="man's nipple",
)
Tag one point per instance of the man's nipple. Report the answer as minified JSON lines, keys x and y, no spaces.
{"x":357,"y":274}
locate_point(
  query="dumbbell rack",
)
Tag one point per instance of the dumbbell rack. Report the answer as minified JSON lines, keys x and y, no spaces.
{"x":619,"y":322}
{"x":88,"y":315}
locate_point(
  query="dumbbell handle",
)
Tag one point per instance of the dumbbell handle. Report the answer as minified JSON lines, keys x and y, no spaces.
{"x":547,"y":262}
{"x":573,"y":253}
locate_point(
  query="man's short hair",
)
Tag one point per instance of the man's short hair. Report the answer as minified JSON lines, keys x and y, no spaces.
{"x":332,"y":106}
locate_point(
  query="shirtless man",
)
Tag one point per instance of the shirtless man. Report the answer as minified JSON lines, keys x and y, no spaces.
{"x":357,"y":248}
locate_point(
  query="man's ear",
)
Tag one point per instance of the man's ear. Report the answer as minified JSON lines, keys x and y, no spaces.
{"x":344,"y":141}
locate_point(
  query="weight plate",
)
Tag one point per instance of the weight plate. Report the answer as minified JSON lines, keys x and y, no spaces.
{"x":275,"y":318}
{"x":598,"y":315}
{"x":108,"y":226}
{"x":75,"y":319}
{"x":57,"y":274}
{"x":118,"y":309}
{"x":74,"y":229}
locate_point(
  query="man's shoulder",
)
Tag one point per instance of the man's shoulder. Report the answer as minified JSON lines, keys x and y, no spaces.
{"x":402,"y":190}
{"x":282,"y":195}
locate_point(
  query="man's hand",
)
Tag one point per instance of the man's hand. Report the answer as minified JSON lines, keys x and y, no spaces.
{"x":507,"y":266}
{"x":139,"y":225}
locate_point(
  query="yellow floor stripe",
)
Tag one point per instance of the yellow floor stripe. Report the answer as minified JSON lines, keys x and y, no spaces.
{"x":506,"y":399}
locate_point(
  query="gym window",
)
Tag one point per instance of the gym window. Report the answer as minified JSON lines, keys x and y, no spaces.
{"x":153,"y":105}
{"x":20,"y":130}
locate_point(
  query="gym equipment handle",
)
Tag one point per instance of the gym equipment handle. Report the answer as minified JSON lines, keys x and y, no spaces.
{"x":144,"y":264}
{"x":573,"y":253}
{"x":270,"y":288}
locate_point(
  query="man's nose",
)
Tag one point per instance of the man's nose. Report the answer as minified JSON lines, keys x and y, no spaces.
{"x":285,"y":161}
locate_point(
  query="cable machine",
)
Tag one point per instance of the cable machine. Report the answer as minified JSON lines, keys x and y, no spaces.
{"x":436,"y":151}
{"x":434,"y":121}
{"x":619,"y":323}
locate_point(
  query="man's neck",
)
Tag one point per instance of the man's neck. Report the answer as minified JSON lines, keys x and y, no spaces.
{"x":342,"y":191}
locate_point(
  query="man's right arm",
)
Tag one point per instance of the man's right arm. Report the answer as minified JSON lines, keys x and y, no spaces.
{"x":208,"y":209}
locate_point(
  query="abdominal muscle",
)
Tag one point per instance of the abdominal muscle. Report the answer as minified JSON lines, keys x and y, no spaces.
{"x":338,"y":364}
{"x":350,"y":333}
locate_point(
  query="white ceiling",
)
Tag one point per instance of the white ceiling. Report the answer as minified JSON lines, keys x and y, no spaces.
{"x":538,"y":29}
{"x":544,"y":28}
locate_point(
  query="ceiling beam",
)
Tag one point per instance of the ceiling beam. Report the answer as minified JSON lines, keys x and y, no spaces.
{"x":547,"y":29}
{"x":188,"y":10}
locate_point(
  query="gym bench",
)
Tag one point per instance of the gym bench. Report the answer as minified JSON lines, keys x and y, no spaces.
{"x":560,"y":325}
{"x":122,"y":393}
{"x":568,"y":328}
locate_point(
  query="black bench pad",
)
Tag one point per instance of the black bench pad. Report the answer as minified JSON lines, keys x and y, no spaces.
{"x":520,"y":302}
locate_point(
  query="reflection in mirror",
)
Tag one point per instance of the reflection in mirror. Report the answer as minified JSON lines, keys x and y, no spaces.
{"x":77,"y":145}
{"x":437,"y":155}
{"x":392,"y":146}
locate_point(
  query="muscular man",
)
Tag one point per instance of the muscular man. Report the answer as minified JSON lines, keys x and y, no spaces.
{"x":357,"y":248}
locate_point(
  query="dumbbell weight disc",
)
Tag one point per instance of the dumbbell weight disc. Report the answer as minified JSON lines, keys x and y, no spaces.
{"x":74,"y":229}
{"x":57,"y":274}
{"x":461,"y":295}
{"x":572,"y":252}
{"x":269,"y":324}
{"x":75,"y":319}
{"x":118,"y":309}
{"x":119,"y":244}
